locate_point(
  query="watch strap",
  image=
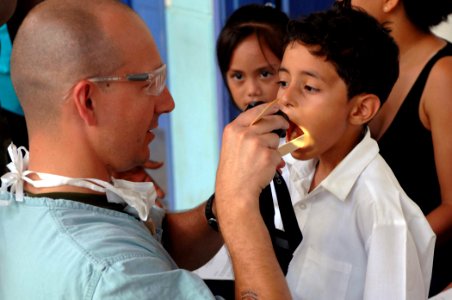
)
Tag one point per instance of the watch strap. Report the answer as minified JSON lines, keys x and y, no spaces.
{"x":210,"y":217}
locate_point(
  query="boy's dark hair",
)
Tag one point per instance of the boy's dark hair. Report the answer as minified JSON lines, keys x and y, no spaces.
{"x":267,"y":23}
{"x":362,"y":51}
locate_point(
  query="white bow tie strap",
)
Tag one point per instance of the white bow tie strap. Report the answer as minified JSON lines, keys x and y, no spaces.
{"x":13,"y":180}
{"x":140,"y":196}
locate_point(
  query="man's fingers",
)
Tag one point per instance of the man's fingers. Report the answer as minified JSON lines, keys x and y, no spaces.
{"x":270,"y":123}
{"x":152,"y":164}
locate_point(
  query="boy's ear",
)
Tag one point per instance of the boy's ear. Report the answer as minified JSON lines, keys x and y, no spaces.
{"x":389,"y":5}
{"x":84,"y":104}
{"x":364,"y":108}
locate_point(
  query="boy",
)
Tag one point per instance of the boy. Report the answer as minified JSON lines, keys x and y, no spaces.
{"x":363,"y":237}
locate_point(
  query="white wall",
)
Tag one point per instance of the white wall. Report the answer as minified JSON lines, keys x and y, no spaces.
{"x":192,"y":81}
{"x":445,"y":29}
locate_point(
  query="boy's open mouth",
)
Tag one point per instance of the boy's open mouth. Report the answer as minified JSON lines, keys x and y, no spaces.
{"x":293,"y":131}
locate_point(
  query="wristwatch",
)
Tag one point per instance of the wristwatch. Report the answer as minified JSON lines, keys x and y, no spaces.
{"x":211,"y":219}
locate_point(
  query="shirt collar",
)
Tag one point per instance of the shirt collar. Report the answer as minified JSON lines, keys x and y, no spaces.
{"x":341,"y":180}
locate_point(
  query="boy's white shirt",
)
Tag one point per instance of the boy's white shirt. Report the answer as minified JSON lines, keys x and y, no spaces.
{"x":444,"y":295}
{"x":363,"y":238}
{"x":394,"y":256}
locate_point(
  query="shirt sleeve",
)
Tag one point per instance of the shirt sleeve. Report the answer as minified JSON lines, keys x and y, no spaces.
{"x":393,"y":267}
{"x":149,"y":278}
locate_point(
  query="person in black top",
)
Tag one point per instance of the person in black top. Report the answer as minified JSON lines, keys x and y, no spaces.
{"x":413,"y":126}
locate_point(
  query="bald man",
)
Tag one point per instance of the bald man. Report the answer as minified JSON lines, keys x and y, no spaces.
{"x":92,"y":86}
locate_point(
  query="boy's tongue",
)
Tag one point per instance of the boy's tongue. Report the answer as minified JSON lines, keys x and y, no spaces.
{"x":293,"y":131}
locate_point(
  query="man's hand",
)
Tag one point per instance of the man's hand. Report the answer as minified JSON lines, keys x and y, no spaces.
{"x":249,"y":156}
{"x":248,"y":161}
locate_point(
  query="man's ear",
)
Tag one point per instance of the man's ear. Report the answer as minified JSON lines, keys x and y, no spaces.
{"x":81,"y":95}
{"x":389,"y":5}
{"x":364,"y":108}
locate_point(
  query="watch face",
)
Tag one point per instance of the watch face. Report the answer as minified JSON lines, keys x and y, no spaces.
{"x":211,"y":219}
{"x":213,"y":223}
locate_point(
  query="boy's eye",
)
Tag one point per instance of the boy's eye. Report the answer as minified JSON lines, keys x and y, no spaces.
{"x":310,"y":89}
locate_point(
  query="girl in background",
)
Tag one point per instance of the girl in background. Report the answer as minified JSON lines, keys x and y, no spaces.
{"x":250,"y":47}
{"x":249,"y":52}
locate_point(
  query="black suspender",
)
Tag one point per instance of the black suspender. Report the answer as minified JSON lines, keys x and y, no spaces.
{"x":284,"y":242}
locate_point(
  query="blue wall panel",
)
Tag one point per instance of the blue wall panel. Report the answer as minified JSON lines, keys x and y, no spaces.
{"x":297,"y":8}
{"x":153,"y":13}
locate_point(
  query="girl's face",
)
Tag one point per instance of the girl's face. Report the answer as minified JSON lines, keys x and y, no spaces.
{"x":253,"y":73}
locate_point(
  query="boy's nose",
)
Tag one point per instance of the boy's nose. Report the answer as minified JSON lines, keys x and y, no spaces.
{"x":284,"y":99}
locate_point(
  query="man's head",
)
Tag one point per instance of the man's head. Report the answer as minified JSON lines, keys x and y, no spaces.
{"x":61,"y":45}
{"x":337,"y":67}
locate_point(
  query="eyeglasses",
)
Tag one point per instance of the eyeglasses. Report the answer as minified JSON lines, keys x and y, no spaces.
{"x":156,"y":79}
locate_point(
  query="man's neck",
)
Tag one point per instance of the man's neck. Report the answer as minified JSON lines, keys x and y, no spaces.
{"x":74,"y":160}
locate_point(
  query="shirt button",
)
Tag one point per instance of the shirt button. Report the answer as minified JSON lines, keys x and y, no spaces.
{"x":302,"y":206}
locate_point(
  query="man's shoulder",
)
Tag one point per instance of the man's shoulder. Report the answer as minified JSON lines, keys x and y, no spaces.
{"x":101,"y":235}
{"x":86,"y":250}
{"x":107,"y":236}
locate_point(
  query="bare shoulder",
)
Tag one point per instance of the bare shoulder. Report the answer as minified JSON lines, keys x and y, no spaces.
{"x":441,"y":75}
{"x":437,"y":96}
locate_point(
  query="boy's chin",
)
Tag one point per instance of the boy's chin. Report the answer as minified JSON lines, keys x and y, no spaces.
{"x":299,"y":155}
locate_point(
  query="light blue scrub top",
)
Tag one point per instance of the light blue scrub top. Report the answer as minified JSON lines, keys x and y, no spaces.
{"x":61,"y":249}
{"x":8,"y":98}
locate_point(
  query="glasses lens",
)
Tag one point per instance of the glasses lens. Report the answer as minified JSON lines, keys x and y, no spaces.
{"x":157,"y":82}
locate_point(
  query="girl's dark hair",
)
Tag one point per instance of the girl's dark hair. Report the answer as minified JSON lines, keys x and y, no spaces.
{"x":423,"y":14}
{"x":267,"y":23}
{"x":426,"y":14}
